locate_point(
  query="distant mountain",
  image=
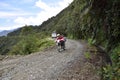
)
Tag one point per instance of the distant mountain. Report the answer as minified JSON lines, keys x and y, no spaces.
{"x":5,"y":32}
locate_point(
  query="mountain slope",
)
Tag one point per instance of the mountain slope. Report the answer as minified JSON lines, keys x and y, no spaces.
{"x":5,"y":32}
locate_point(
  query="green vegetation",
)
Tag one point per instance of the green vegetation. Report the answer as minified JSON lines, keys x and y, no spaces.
{"x":113,"y":72}
{"x":6,"y":43}
{"x":91,"y":42}
{"x":87,"y":55}
{"x":30,"y":45}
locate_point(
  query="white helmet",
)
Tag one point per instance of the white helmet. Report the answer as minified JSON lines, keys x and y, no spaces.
{"x":58,"y":34}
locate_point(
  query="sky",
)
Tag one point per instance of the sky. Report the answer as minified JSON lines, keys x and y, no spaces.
{"x":18,"y":13}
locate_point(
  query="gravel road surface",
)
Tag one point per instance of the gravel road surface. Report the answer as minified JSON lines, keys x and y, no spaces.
{"x":46,"y":65}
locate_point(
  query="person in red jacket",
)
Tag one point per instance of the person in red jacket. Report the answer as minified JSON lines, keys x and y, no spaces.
{"x":60,"y":39}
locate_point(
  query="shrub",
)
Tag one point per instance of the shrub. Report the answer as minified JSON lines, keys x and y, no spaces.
{"x":30,"y":44}
{"x":113,"y":72}
{"x":87,"y":55}
{"x":91,"y":41}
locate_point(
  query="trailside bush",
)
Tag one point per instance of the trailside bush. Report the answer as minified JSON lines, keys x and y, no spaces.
{"x":113,"y":72}
{"x":26,"y":46}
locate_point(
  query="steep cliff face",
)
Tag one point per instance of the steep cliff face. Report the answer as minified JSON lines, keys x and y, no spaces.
{"x":102,"y":22}
{"x":97,"y":19}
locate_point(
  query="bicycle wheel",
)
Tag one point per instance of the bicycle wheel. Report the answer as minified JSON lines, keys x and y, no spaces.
{"x":59,"y":47}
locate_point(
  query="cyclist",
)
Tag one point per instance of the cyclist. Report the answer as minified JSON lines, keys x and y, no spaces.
{"x":60,"y":39}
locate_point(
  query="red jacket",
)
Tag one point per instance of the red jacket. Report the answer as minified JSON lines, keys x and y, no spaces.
{"x":60,"y":38}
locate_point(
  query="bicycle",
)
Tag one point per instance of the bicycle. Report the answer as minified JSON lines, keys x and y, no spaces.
{"x":61,"y":46}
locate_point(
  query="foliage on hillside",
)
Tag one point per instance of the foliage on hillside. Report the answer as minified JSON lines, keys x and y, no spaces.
{"x":112,"y":72}
{"x":6,"y":43}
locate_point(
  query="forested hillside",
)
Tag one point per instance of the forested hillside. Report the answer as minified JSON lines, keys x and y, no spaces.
{"x":97,"y":21}
{"x":24,"y":41}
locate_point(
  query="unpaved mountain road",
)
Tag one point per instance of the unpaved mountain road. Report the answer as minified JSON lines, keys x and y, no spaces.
{"x":47,"y":65}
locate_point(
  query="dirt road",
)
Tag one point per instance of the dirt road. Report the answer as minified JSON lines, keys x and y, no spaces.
{"x":47,"y":65}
